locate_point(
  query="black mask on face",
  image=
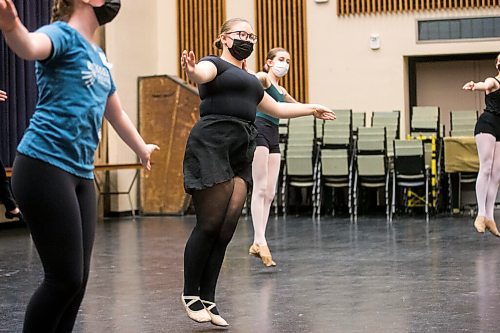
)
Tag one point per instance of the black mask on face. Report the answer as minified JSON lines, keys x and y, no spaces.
{"x":241,"y":49}
{"x":107,"y":12}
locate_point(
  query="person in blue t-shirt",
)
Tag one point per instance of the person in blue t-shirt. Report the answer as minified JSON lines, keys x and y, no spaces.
{"x":52,"y":173}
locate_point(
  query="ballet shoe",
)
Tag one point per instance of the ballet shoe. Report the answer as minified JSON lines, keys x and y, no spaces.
{"x":480,"y":223}
{"x":492,"y":227}
{"x":214,"y":318}
{"x":265,"y":255}
{"x":262,"y":252}
{"x":17,"y":215}
{"x":254,"y":250}
{"x":200,"y":316}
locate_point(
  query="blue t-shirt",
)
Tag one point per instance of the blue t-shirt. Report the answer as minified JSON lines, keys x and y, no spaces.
{"x":74,"y":84}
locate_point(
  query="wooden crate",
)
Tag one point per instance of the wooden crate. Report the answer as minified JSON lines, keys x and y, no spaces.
{"x":168,"y":109}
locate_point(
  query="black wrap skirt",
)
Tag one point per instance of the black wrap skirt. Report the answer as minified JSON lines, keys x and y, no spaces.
{"x":218,"y":149}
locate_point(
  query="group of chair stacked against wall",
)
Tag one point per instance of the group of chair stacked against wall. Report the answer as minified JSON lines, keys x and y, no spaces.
{"x":345,"y":154}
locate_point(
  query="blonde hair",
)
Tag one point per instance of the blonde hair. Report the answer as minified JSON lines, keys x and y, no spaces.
{"x":226,"y":27}
{"x":62,"y":10}
{"x":272,"y":54}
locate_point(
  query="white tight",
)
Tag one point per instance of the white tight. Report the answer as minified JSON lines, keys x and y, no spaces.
{"x":265,"y":172}
{"x":488,"y":177}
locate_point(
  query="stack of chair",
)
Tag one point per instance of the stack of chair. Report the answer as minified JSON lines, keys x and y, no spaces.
{"x":371,"y":165}
{"x":300,"y":159}
{"x":410,"y":172}
{"x":336,"y":158}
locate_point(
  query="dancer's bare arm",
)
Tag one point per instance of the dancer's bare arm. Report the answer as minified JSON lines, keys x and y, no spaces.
{"x":293,"y":110}
{"x":489,"y":85}
{"x":29,"y":46}
{"x":127,"y":131}
{"x":264,"y":79}
{"x":201,"y":72}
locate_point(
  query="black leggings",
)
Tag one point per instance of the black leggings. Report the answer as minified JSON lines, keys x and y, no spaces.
{"x":60,"y":210}
{"x":5,"y":190}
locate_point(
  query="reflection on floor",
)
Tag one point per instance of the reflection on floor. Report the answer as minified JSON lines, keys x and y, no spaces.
{"x":332,"y":276}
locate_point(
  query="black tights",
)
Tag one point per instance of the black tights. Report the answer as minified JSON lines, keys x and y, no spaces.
{"x":60,"y":210}
{"x":218,"y":210}
{"x":5,"y":190}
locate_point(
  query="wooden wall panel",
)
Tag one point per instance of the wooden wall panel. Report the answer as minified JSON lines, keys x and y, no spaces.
{"x":168,"y":109}
{"x":347,"y":7}
{"x":283,"y":23}
{"x":198,"y":24}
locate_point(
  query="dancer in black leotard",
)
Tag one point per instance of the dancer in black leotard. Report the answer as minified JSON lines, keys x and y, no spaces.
{"x":487,"y":134}
{"x":218,"y":158}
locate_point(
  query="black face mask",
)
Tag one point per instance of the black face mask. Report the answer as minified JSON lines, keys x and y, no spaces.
{"x":241,"y":49}
{"x":107,"y":12}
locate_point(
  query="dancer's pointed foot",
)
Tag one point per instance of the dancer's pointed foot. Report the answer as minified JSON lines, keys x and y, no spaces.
{"x":265,"y":255}
{"x":262,"y":252}
{"x":254,"y":250}
{"x":480,"y":223}
{"x":492,"y":227}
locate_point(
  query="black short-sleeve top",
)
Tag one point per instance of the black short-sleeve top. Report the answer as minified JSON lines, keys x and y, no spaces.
{"x":233,"y":92}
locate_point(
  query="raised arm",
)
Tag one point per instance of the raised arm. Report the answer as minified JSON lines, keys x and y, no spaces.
{"x":201,"y":72}
{"x":293,"y":110}
{"x":127,"y":131}
{"x":490,"y":84}
{"x":29,"y":46}
{"x":3,"y":96}
{"x":263,"y":79}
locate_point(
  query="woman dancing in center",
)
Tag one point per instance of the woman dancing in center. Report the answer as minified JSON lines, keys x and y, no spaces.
{"x":487,"y":134}
{"x":218,"y":158}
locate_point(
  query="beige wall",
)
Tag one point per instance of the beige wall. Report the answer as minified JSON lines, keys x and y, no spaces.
{"x":343,"y":70}
{"x":137,"y":43}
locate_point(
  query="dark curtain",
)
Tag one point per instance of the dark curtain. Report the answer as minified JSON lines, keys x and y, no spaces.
{"x":17,"y":78}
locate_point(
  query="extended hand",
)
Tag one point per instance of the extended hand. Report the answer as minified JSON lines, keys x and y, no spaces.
{"x":188,"y":61}
{"x":3,"y":96}
{"x":469,"y":86}
{"x":322,"y":112}
{"x":146,"y":156}
{"x":8,"y":15}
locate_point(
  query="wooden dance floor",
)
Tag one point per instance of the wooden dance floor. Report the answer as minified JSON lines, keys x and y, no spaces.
{"x":332,"y":276}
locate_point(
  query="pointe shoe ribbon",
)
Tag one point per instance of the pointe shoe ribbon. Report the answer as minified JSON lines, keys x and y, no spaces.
{"x":492,"y":227}
{"x":480,"y":223}
{"x":200,"y":316}
{"x":214,"y":318}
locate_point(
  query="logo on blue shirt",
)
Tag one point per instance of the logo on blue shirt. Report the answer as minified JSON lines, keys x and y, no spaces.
{"x":96,"y":73}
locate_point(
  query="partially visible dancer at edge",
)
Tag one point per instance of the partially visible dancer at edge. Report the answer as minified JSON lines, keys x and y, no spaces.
{"x":487,"y":134}
{"x":267,"y":158}
{"x":53,"y":170}
{"x":218,"y":158}
{"x":6,"y":196}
